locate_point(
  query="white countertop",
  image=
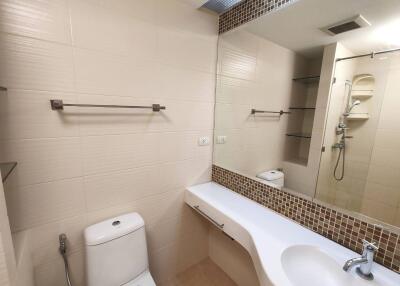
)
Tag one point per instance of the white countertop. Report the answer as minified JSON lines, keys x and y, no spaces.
{"x":265,"y":234}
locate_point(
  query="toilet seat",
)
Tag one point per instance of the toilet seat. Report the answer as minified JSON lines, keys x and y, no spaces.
{"x":143,"y":279}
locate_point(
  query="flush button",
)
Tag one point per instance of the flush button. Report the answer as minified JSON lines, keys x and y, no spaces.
{"x":116,"y":223}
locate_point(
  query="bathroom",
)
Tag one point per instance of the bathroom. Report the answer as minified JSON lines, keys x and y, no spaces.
{"x":196,"y":142}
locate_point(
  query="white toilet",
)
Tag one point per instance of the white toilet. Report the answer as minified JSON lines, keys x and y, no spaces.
{"x":116,"y":252}
{"x":274,"y":178}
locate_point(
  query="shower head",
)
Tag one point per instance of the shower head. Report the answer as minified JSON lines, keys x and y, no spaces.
{"x":355,"y":103}
{"x":63,"y":243}
{"x":350,"y":108}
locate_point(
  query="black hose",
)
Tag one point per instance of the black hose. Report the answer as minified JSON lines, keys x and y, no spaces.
{"x":339,"y":178}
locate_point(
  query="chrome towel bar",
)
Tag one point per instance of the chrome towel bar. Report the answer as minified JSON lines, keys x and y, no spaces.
{"x":57,"y":104}
{"x":281,"y":112}
{"x":214,"y":222}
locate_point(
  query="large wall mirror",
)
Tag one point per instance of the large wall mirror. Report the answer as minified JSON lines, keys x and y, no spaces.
{"x":299,"y":108}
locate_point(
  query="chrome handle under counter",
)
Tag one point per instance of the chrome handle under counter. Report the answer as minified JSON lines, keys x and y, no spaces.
{"x":213,"y":221}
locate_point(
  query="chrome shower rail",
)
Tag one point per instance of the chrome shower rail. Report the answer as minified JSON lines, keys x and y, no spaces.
{"x":372,"y":55}
{"x":281,"y":112}
{"x":58,"y":104}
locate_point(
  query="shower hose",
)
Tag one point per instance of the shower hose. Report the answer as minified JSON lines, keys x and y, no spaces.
{"x":341,"y":154}
{"x":63,"y":252}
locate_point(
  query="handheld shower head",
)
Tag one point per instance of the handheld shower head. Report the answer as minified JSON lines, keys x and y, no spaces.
{"x":63,"y":243}
{"x":350,"y":108}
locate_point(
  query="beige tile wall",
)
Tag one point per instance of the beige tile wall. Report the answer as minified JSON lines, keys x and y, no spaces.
{"x":8,"y":267}
{"x":372,"y":168}
{"x":256,"y":73}
{"x":80,"y":166}
{"x":5,"y":272}
{"x":333,"y":104}
{"x":381,"y":198}
{"x":245,"y":81}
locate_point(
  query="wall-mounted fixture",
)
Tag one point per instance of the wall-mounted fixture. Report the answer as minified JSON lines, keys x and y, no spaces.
{"x":347,"y":25}
{"x":363,"y":88}
{"x":307,"y":79}
{"x":2,"y":88}
{"x":57,"y":104}
{"x":281,"y":112}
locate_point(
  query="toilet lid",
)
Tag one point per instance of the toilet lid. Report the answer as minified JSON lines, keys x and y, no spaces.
{"x":271,"y":175}
{"x":143,"y":279}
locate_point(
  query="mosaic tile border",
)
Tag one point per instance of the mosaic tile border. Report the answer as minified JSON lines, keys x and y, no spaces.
{"x":341,"y":228}
{"x":249,"y":10}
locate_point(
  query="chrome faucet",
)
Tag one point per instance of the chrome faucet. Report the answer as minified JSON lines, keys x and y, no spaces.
{"x":364,"y":262}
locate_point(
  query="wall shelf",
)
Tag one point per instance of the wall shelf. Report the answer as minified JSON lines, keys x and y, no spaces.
{"x":302,"y":108}
{"x":358,"y":116}
{"x":307,"y":79}
{"x":299,"y":135}
{"x":6,"y":169}
{"x":361,"y":94}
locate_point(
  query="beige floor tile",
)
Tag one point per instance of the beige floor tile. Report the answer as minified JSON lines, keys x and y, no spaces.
{"x":205,"y":273}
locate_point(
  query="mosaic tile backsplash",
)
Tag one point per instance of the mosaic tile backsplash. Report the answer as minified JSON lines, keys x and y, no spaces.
{"x":249,"y":10}
{"x":341,"y":228}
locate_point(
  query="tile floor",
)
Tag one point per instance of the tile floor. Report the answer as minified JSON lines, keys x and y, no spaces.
{"x":205,"y":273}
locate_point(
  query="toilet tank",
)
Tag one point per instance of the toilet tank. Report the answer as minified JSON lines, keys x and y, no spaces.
{"x":116,"y":250}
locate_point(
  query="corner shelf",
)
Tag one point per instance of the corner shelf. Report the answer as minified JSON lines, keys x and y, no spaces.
{"x":307,"y":79}
{"x":358,"y":116}
{"x":361,"y":94}
{"x":299,"y":135}
{"x":6,"y":169}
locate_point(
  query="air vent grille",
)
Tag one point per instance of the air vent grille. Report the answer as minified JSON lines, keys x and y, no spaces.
{"x":347,"y":25}
{"x":344,"y":27}
{"x":220,"y":6}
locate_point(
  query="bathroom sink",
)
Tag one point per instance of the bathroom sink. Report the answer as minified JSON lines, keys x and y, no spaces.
{"x":308,"y":265}
{"x":284,"y":253}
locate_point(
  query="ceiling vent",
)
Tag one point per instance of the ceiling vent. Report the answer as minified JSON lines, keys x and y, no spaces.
{"x":220,"y":6}
{"x":346,"y":25}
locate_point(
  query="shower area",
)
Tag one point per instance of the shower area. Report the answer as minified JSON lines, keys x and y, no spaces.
{"x":360,"y":162}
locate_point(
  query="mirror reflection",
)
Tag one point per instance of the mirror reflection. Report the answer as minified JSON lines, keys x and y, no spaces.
{"x":361,"y":165}
{"x":306,"y":107}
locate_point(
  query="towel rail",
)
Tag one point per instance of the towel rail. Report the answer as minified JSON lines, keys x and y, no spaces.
{"x":57,"y":104}
{"x":281,"y":112}
{"x":3,"y":88}
{"x":213,"y":221}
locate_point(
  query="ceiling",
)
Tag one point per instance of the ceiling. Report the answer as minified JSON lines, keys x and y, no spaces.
{"x":297,"y":27}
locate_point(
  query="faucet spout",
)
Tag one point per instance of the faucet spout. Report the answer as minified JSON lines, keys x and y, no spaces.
{"x":364,"y":262}
{"x":353,"y":262}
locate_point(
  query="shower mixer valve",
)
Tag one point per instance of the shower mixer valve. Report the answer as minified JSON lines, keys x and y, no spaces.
{"x":341,"y":129}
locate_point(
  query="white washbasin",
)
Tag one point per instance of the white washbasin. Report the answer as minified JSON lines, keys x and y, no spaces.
{"x":283,"y":252}
{"x":308,"y":265}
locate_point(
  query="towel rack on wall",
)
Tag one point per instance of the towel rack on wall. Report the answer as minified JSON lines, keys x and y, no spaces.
{"x":57,"y":104}
{"x":281,"y":112}
{"x":2,"y":88}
